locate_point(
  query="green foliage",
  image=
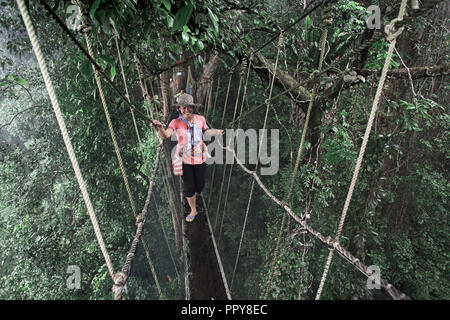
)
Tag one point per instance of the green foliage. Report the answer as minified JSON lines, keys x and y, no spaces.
{"x":378,"y":54}
{"x":413,"y":113}
{"x":182,"y":17}
{"x":339,"y":147}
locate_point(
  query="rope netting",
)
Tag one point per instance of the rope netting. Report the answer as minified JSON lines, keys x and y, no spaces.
{"x":299,"y":241}
{"x":158,"y":234}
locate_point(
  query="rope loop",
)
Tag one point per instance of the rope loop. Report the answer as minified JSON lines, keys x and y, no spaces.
{"x":119,"y":283}
{"x":391,"y":32}
{"x":140,"y":219}
{"x":84,"y":28}
{"x":119,"y":278}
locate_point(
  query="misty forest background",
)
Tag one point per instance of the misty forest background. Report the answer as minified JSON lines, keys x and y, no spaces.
{"x":398,"y":217}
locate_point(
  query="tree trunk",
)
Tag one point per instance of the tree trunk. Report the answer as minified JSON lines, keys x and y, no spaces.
{"x":207,"y":73}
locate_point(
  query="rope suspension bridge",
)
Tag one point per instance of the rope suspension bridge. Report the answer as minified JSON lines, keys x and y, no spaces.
{"x":201,"y":259}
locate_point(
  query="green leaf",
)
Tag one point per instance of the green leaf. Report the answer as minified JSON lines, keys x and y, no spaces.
{"x":106,"y":59}
{"x":214,"y":19}
{"x":308,"y":22}
{"x":94,"y":8}
{"x":21,"y":81}
{"x":101,"y":16}
{"x":130,"y":5}
{"x":182,"y":17}
{"x":167,"y":4}
{"x":113,"y":72}
{"x":185,"y":37}
{"x":169,"y":21}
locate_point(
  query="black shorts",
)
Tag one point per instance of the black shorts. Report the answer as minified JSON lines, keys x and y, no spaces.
{"x":193,"y":178}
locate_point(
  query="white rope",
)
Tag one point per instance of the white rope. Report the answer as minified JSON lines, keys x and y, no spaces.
{"x":392,"y":36}
{"x":63,"y":129}
{"x":219,"y":261}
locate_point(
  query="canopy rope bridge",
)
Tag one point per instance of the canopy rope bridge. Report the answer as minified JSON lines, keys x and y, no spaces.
{"x":120,"y":278}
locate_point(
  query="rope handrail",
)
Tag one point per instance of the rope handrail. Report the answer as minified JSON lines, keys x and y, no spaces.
{"x":140,"y":220}
{"x":328,"y":241}
{"x":118,"y":278}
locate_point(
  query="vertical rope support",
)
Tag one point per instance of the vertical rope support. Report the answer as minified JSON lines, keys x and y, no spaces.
{"x":122,"y":71}
{"x":231,"y":168}
{"x":322,"y":43}
{"x":140,"y":220}
{"x":391,"y":36}
{"x":280,"y":43}
{"x":244,"y":68}
{"x":225,"y":167}
{"x":246,"y":212}
{"x":111,"y":130}
{"x":65,"y":135}
{"x":152,"y":269}
{"x":209,"y":96}
{"x":221,"y":124}
{"x":215,"y":98}
{"x":326,"y":21}
{"x":226,"y":98}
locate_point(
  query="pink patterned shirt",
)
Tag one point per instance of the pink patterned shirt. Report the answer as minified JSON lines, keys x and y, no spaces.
{"x":190,"y":140}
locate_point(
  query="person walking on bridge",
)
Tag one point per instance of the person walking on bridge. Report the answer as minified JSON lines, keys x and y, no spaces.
{"x":191,"y":152}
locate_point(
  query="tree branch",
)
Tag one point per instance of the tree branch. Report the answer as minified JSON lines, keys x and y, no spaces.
{"x":416,"y":72}
{"x":19,"y":113}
